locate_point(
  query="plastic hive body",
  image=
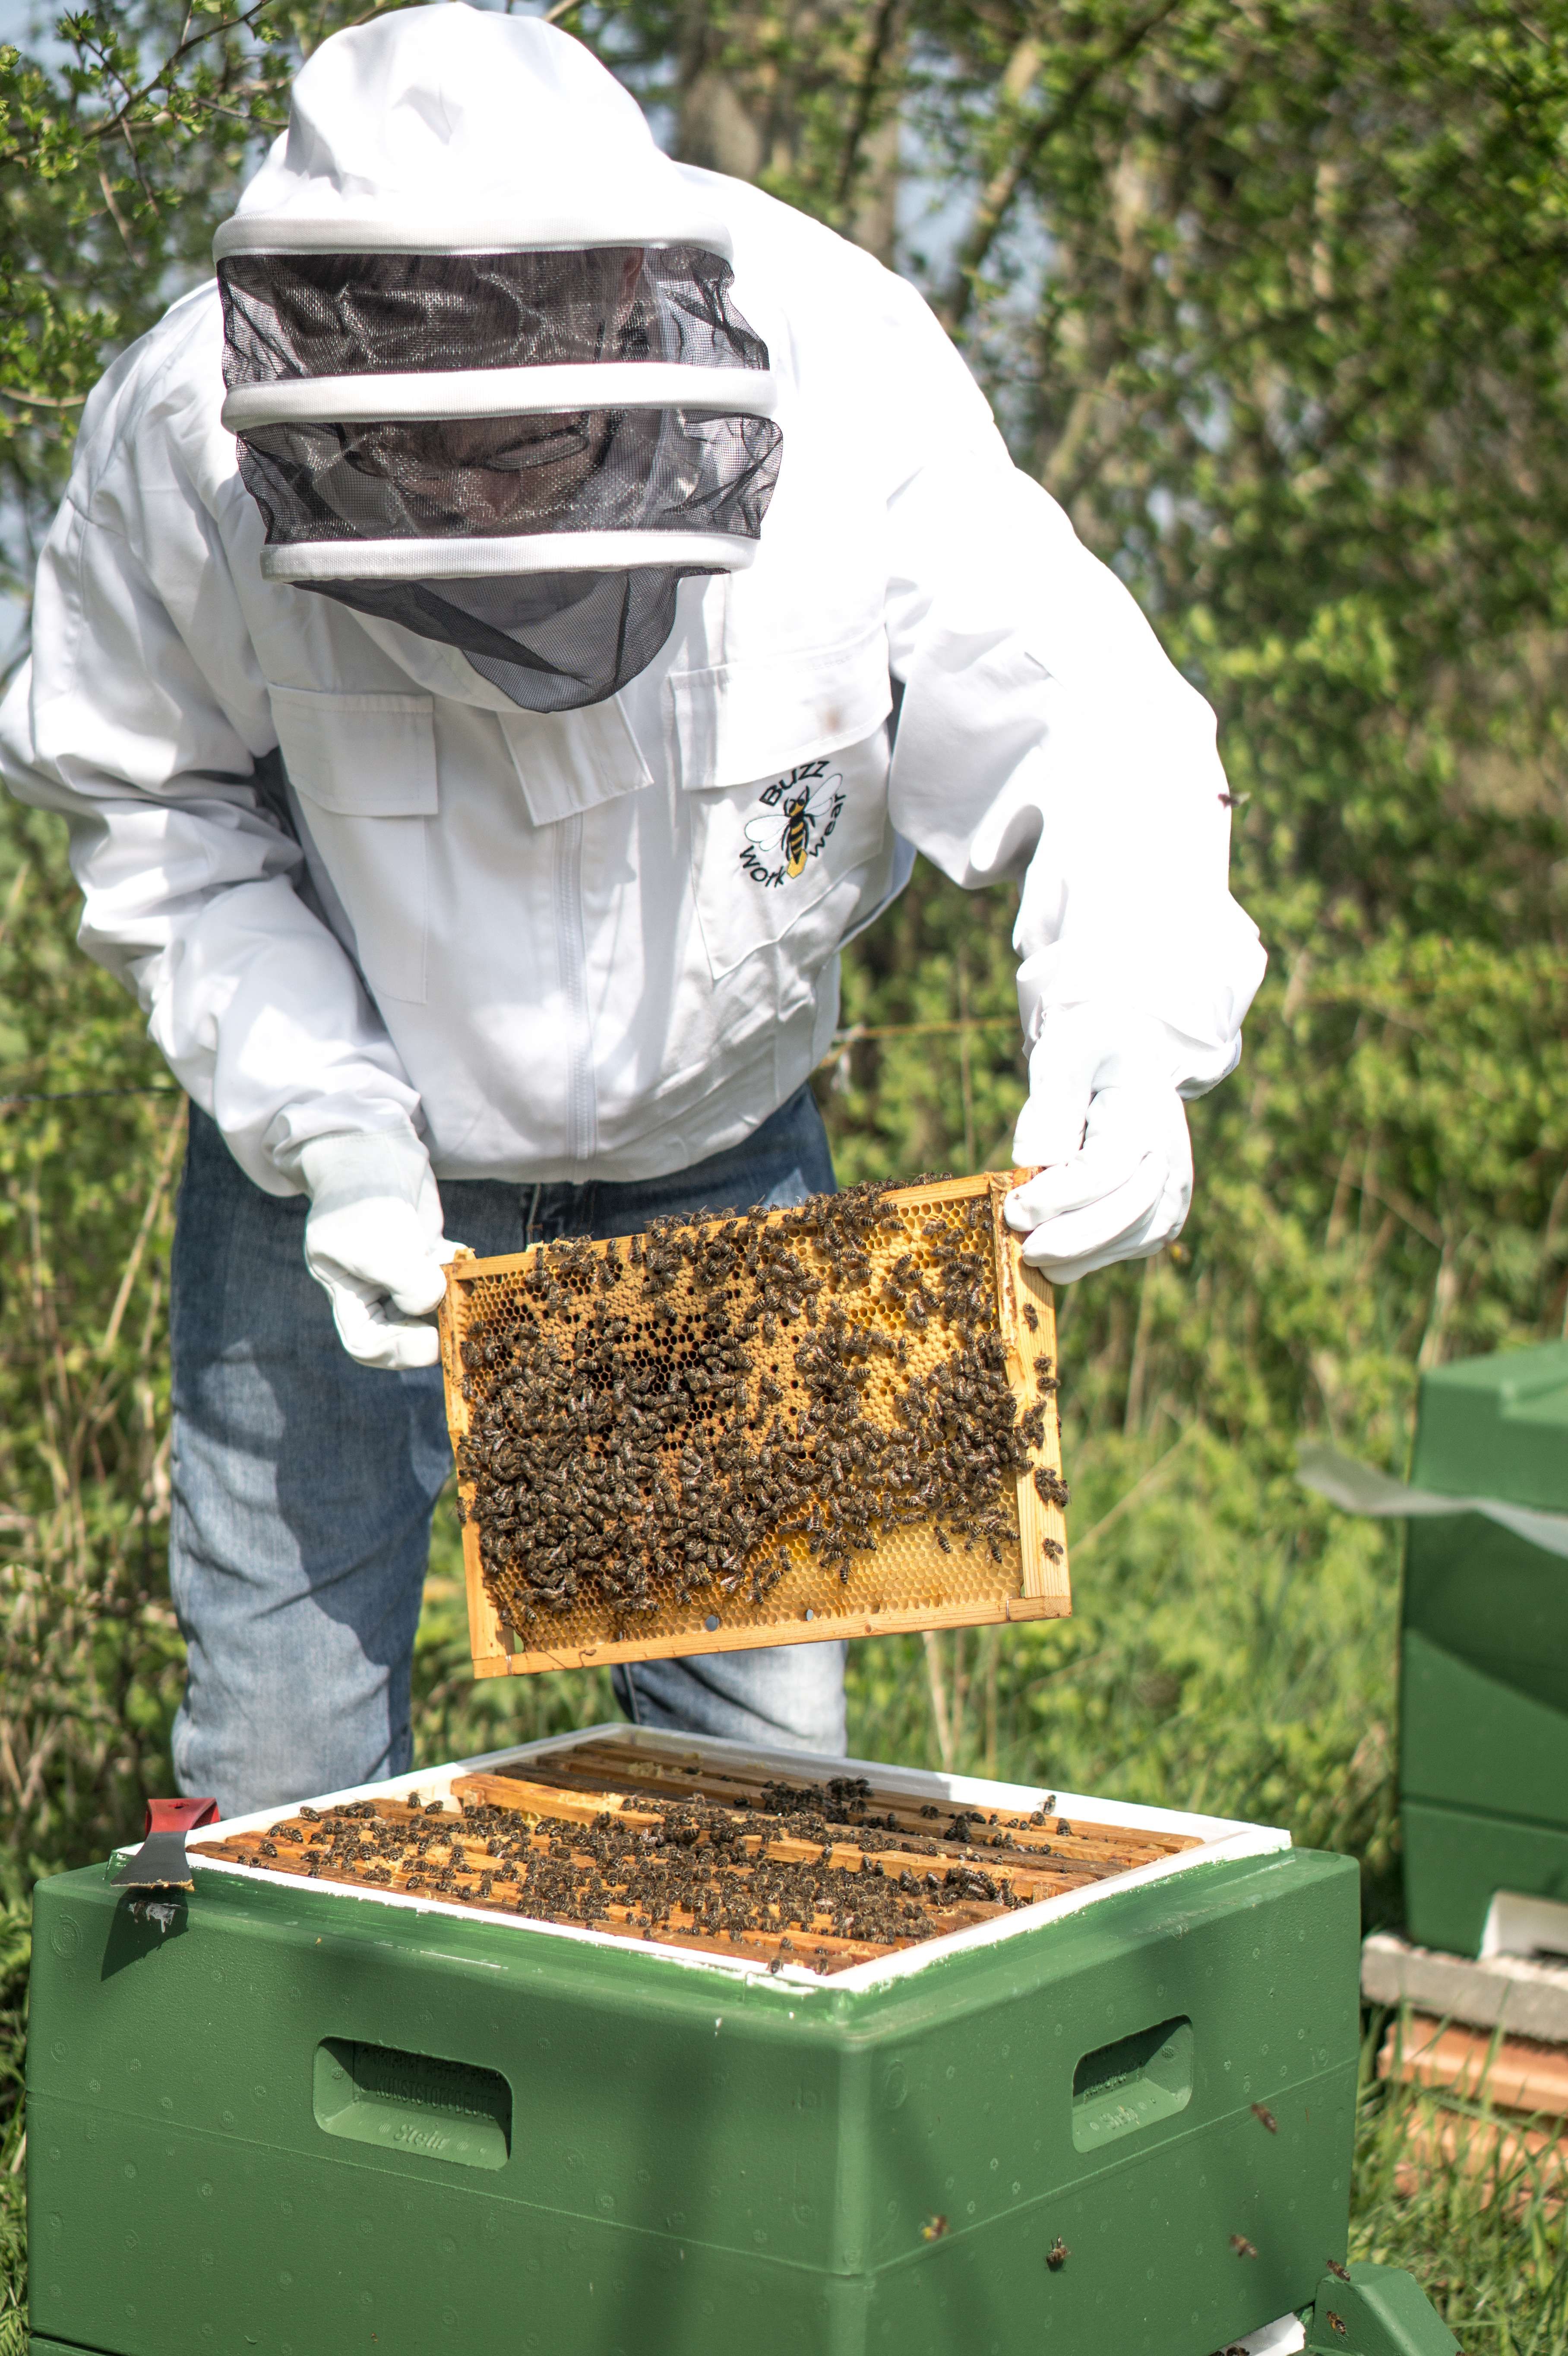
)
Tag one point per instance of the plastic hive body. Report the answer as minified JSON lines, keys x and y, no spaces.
{"x":1484,"y":1652}
{"x":297,"y":2119}
{"x":914,"y":1575}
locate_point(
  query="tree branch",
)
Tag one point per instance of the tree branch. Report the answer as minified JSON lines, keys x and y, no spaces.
{"x":997,"y":196}
{"x":105,"y":127}
{"x":42,"y":400}
{"x":865,"y":102}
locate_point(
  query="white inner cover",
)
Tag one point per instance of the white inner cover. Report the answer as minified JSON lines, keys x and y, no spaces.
{"x":1220,"y":1837}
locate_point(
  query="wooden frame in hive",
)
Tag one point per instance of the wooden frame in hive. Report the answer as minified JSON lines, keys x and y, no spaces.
{"x":704,"y":1853}
{"x":912,"y":1580}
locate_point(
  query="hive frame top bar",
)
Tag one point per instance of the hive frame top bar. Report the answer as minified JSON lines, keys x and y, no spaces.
{"x":1220,"y":1838}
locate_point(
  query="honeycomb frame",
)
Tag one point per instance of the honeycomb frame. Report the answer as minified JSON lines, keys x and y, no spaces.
{"x":912,"y":1581}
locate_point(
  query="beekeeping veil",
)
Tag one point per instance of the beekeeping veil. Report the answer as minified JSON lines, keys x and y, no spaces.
{"x":481,"y":355}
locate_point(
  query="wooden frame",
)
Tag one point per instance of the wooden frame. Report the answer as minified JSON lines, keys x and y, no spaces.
{"x":1042,"y":1587}
{"x":580,"y":1790}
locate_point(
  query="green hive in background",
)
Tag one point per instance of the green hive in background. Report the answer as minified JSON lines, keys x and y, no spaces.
{"x":1484,"y":1655}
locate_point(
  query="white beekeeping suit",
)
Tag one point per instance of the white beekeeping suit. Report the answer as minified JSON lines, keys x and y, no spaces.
{"x":466,"y":657}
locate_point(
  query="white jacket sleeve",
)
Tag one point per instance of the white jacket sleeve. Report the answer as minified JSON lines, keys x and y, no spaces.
{"x":141,"y":718}
{"x":1043,"y":733}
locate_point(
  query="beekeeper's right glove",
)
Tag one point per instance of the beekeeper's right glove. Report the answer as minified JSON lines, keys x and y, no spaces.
{"x":373,"y":1242}
{"x":1104,"y":1120}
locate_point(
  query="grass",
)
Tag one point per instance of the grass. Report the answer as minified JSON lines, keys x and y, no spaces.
{"x":15,"y":1947}
{"x":1232,"y":1648}
{"x":1487,"y":2243}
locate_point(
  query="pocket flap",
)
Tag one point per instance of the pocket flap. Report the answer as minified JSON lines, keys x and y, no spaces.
{"x":572,"y":760}
{"x":360,"y":755}
{"x":739,"y":719}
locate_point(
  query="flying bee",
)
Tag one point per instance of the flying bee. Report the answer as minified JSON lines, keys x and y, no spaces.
{"x":800,"y":813}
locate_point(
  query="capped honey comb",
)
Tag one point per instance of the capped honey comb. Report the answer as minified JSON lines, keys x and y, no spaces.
{"x":774,"y":1427}
{"x":726,"y":1858}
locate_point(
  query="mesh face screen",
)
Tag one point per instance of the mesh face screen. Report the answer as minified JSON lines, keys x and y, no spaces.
{"x":302,"y":314}
{"x":500,"y":477}
{"x":552,"y":641}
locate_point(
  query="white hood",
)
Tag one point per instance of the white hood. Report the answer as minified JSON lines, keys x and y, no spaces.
{"x":467,"y":226}
{"x":449,"y":129}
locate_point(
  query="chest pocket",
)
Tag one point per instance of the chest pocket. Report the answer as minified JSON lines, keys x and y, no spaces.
{"x":363,"y":767}
{"x":568,"y":762}
{"x":784,"y":761}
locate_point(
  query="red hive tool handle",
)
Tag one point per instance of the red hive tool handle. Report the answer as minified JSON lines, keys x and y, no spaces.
{"x":180,"y":1816}
{"x":160,"y":1862}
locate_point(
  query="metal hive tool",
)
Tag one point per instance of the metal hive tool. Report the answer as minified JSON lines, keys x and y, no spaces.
{"x":909,"y":1323}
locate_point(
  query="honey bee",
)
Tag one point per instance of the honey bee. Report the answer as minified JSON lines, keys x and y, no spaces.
{"x":800,"y":813}
{"x":1056,"y":2257}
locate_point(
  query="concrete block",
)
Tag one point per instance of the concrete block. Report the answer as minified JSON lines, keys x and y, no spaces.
{"x":1516,"y":1993}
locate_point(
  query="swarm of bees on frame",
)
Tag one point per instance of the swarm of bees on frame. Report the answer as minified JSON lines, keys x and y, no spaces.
{"x":678,"y":1421}
{"x":813,"y":1875}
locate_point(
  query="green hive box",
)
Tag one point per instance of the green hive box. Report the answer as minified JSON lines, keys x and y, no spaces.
{"x":1484,"y":1654}
{"x":307,"y":2124}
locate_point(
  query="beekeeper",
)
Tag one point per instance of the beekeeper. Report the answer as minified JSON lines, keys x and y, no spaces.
{"x":499,"y":641}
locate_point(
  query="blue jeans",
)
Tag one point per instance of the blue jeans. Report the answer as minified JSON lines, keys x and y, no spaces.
{"x":303,"y":1485}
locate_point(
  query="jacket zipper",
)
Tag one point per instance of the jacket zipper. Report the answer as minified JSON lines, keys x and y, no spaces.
{"x":572,"y":952}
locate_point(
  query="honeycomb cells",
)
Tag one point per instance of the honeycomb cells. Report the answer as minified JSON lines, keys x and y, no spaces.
{"x":779,"y":1414}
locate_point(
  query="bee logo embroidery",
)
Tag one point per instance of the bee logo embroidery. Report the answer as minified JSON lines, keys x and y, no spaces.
{"x":798,"y":814}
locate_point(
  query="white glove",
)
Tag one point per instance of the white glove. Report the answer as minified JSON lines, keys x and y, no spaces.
{"x":1105,"y":1118}
{"x":373,"y":1241}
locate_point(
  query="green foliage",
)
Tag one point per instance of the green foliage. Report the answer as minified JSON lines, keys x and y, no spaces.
{"x":15,"y":1949}
{"x":1271,"y":298}
{"x":928,"y":1073}
{"x":88,"y":1653}
{"x":112,"y":167}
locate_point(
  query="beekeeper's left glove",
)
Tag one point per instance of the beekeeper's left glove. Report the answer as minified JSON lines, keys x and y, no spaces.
{"x":373,"y":1241}
{"x":1104,"y":1118}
